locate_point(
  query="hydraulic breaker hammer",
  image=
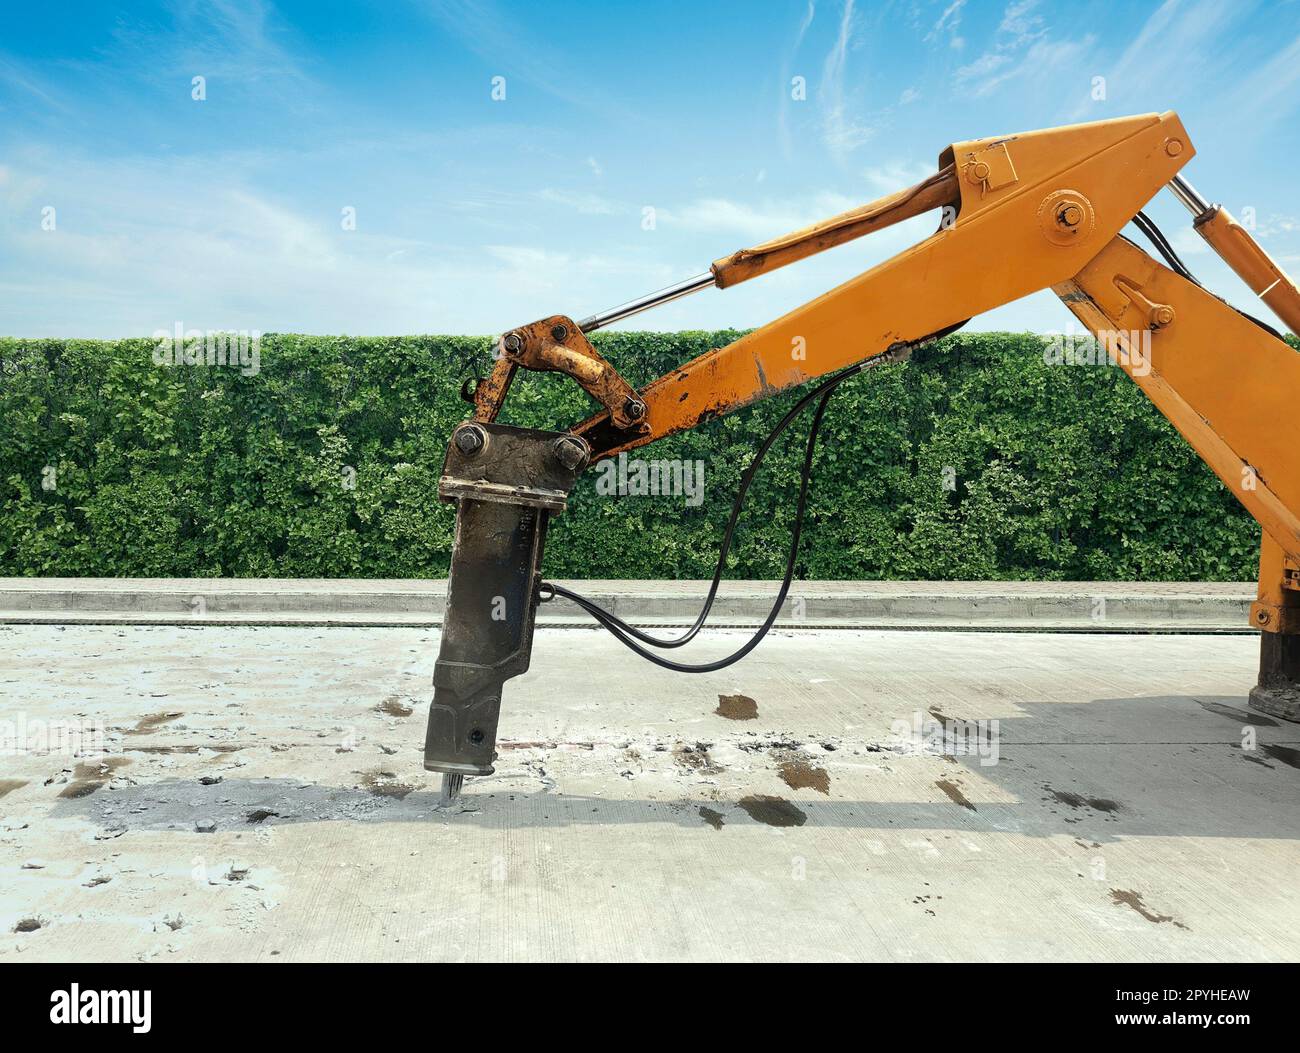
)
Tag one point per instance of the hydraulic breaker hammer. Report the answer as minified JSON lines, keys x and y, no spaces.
{"x":506,"y":484}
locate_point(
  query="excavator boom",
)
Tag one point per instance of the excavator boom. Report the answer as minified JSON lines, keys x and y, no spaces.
{"x":1017,"y":214}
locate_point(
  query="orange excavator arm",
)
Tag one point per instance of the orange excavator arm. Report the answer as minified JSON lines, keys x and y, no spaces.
{"x":1017,"y":214}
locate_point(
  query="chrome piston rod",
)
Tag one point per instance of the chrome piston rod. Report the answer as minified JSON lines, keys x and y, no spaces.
{"x":644,"y":303}
{"x":1192,"y":201}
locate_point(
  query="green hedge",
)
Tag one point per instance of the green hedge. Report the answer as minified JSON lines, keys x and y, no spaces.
{"x":111,"y":465}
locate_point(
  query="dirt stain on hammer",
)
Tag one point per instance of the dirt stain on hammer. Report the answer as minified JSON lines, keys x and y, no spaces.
{"x":737,"y":707}
{"x":1128,"y":898}
{"x":954,"y":793}
{"x":798,"y":774}
{"x":774,"y":811}
{"x":148,"y":725}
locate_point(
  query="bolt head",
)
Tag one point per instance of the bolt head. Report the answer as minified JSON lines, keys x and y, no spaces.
{"x":634,"y":408}
{"x":470,"y":439}
{"x":570,"y":452}
{"x":512,"y":342}
{"x":560,"y":333}
{"x":1070,"y":214}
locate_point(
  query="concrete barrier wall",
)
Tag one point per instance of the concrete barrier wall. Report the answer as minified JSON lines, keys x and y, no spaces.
{"x":1066,"y":606}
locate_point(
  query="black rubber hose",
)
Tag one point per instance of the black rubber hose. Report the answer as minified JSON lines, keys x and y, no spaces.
{"x":628,"y":635}
{"x":746,"y":480}
{"x":616,"y":625}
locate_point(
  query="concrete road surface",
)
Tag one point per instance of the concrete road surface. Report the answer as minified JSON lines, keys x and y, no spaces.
{"x":898,"y":796}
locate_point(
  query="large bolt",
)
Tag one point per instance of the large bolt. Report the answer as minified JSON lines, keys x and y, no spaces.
{"x":571,"y":452}
{"x":513,"y":343}
{"x":470,"y":439}
{"x":634,"y":408}
{"x":1071,"y":214}
{"x":1161,"y":315}
{"x":560,"y":333}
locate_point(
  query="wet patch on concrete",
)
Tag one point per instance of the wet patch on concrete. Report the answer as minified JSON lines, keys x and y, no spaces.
{"x":1128,"y":898}
{"x":260,"y":815}
{"x":714,"y":819}
{"x":89,"y":777}
{"x":148,"y":725}
{"x":773,"y":811}
{"x":954,"y":793}
{"x":737,"y":707}
{"x":80,"y":788}
{"x":385,"y":784}
{"x":394,"y":707}
{"x":798,"y":774}
{"x":9,"y":785}
{"x":1078,"y":800}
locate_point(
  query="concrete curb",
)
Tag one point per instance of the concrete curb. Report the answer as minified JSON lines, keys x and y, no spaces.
{"x":1181,"y":607}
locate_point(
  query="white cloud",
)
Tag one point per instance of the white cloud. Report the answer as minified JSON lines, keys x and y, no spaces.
{"x":986,"y":64}
{"x":896,"y":175}
{"x":240,"y":46}
{"x":756,"y":223}
{"x":139,"y":245}
{"x":1166,"y":54}
{"x":1188,"y":243}
{"x":1268,"y":91}
{"x":583,"y":203}
{"x":1020,"y":24}
{"x":24,"y":80}
{"x":948,"y":24}
{"x":1021,"y":49}
{"x":841,"y":132}
{"x":494,"y":36}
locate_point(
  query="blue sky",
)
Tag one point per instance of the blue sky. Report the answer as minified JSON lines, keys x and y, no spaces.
{"x":475,"y":214}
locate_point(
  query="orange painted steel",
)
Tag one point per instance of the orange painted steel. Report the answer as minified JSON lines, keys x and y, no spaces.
{"x":1253,"y":265}
{"x":939,"y":191}
{"x":1041,"y":210}
{"x":1035,"y":208}
{"x":1225,"y":383}
{"x":1277,"y":607}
